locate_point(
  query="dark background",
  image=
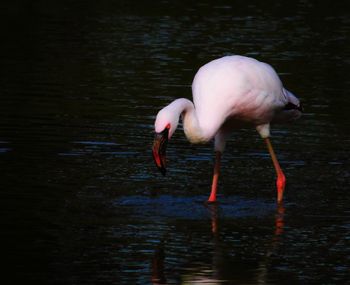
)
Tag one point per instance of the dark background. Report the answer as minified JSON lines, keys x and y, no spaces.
{"x":82,"y":203}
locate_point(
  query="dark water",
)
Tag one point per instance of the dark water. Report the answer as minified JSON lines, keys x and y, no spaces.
{"x":82,"y":203}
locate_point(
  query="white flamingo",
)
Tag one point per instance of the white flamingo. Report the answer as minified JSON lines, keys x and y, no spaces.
{"x":229,"y":92}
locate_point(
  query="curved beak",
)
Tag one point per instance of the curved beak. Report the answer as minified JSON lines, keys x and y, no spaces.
{"x":159,"y":150}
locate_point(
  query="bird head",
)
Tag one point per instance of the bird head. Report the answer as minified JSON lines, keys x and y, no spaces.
{"x":159,"y":148}
{"x":165,"y":125}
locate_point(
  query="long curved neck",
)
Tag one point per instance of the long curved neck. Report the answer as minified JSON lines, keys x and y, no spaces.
{"x":192,"y":128}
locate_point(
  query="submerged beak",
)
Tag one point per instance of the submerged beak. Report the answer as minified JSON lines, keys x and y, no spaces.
{"x":159,"y":150}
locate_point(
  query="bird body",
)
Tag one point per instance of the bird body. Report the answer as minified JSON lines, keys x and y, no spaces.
{"x":245,"y":88}
{"x":236,"y":87}
{"x":230,"y":92}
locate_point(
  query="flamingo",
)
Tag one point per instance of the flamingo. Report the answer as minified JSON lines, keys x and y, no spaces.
{"x":228,"y":92}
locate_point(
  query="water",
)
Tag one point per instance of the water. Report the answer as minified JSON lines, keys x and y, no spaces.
{"x":82,"y":200}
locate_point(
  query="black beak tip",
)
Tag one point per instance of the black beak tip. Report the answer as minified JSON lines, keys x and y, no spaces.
{"x":162,"y":170}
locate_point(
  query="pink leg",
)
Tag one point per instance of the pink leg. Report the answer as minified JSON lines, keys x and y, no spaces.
{"x":281,"y":179}
{"x":214,"y":185}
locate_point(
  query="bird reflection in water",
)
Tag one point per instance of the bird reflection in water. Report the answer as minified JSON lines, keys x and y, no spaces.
{"x":226,"y":267}
{"x":158,"y":276}
{"x":279,"y":220}
{"x":264,"y":266}
{"x":223,"y":266}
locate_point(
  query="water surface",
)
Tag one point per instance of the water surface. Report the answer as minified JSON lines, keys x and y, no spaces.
{"x":80,"y":85}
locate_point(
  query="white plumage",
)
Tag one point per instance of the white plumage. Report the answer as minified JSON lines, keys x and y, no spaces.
{"x":231,"y":92}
